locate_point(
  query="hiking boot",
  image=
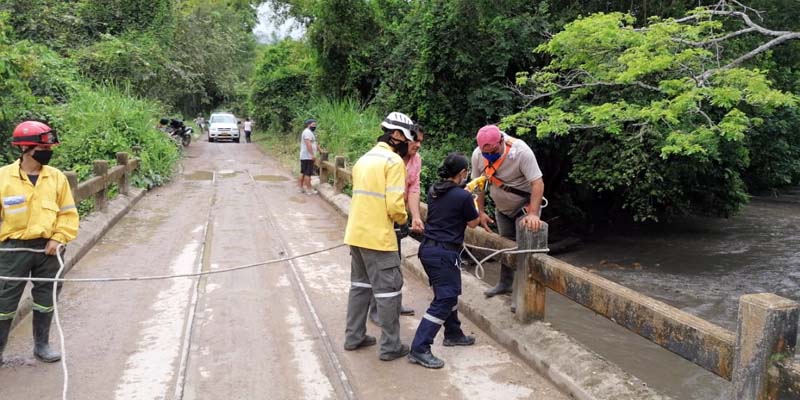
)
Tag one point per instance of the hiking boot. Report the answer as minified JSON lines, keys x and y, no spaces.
{"x":41,"y":338}
{"x":426,"y":359}
{"x":5,"y":328}
{"x":459,"y":341}
{"x":504,"y":284}
{"x":406,"y":311}
{"x":396,"y":354}
{"x":366,"y":342}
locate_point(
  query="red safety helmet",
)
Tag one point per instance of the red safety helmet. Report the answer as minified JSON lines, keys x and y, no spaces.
{"x":33,"y":133}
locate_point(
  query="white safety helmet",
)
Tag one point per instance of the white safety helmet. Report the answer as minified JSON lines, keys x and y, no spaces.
{"x":401,"y":122}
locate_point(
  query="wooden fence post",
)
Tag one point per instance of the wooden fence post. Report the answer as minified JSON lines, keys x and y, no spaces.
{"x":528,"y":294}
{"x":338,"y":179}
{"x":72,"y":178}
{"x":766,"y":332}
{"x":101,"y":197}
{"x":124,"y":181}
{"x":323,"y":171}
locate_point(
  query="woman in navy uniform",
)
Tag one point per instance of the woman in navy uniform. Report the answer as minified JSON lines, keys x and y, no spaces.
{"x":450,"y":210}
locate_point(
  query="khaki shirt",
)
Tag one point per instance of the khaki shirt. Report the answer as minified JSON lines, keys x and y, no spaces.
{"x":518,"y":170}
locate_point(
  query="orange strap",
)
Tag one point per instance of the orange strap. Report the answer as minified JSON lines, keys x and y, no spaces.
{"x":489,"y":169}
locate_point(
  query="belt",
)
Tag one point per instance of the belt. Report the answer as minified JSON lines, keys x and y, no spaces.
{"x":444,"y":245}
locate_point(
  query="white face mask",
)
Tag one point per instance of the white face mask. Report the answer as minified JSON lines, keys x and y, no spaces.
{"x":464,"y":177}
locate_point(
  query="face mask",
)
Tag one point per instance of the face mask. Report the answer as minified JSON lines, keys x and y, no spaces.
{"x":42,"y":156}
{"x":401,"y":148}
{"x":492,"y":157}
{"x":312,"y":128}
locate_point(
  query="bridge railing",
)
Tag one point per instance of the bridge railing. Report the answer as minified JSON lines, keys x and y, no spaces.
{"x":757,"y":359}
{"x":97,"y":186}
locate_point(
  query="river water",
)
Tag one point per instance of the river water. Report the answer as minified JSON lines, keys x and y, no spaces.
{"x":699,"y":265}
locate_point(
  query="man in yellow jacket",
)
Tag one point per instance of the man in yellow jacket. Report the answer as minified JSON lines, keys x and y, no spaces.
{"x":38,"y":213}
{"x":379,"y":178}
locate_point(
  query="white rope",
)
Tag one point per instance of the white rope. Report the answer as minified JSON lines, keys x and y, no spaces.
{"x":480,"y":272}
{"x":58,"y":279}
{"x":160,"y":277}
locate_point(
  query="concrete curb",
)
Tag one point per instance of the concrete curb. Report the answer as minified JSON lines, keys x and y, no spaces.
{"x":576,"y":370}
{"x":92,"y":229}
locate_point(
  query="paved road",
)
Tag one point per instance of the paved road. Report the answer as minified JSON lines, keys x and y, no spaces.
{"x":274,"y":332}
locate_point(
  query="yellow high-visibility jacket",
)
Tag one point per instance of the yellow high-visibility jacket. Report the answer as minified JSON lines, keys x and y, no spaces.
{"x":379,"y":179}
{"x":46,"y":211}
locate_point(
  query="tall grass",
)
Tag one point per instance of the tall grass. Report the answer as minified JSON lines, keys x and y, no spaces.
{"x":344,"y":127}
{"x":100,"y":121}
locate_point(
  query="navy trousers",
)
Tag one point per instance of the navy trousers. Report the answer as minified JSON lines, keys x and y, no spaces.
{"x":444,"y":275}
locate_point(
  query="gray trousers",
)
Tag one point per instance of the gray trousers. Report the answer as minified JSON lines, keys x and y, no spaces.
{"x":378,"y":272}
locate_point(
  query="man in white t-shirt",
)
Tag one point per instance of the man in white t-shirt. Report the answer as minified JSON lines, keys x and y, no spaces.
{"x":308,"y":151}
{"x":248,"y":129}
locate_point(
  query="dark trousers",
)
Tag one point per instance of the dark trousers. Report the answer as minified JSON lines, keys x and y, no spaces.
{"x":247,"y":136}
{"x":23,"y":264}
{"x":444,"y":275}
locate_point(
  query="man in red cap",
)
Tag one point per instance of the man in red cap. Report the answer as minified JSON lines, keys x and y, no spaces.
{"x":38,"y":213}
{"x":516,"y":187}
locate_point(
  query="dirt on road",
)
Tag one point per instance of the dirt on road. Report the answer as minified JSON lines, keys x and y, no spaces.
{"x":272,"y":332}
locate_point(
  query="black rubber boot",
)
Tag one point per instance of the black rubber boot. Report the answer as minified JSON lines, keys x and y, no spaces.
{"x":406,"y":311}
{"x":460,"y":341}
{"x":41,"y":338}
{"x":505,"y":283}
{"x":427,"y":359}
{"x":5,"y":328}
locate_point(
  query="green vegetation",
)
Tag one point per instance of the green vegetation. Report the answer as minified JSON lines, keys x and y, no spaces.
{"x":102,"y":72}
{"x":638,"y":111}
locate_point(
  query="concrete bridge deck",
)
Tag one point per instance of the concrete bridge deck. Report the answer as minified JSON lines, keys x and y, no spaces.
{"x":274,"y":332}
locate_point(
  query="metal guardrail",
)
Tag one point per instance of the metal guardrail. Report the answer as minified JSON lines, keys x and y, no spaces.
{"x":98,"y":185}
{"x":757,"y":359}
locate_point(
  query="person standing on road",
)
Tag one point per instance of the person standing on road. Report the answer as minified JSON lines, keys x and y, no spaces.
{"x":516,"y":186}
{"x":38,"y":212}
{"x":413,"y":164}
{"x":450,"y":210}
{"x":201,"y":122}
{"x":378,"y":189}
{"x":308,"y":151}
{"x":248,"y":129}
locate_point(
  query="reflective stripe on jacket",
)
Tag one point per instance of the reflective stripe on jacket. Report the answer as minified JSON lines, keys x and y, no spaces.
{"x":379,"y":178}
{"x":46,"y":211}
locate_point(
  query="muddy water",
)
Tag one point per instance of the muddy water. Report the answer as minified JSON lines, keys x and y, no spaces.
{"x":701,"y":266}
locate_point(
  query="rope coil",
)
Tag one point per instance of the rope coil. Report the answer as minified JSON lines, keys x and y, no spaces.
{"x":480,"y":272}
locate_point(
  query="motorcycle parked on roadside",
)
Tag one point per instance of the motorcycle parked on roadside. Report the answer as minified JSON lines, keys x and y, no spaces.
{"x":177,"y":131}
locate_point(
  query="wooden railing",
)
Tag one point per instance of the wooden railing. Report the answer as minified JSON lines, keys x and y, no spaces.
{"x":757,"y":358}
{"x":98,"y":185}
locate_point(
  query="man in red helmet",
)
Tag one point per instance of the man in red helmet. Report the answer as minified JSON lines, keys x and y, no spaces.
{"x":38,"y":212}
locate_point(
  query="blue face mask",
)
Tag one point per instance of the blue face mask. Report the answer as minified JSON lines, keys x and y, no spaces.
{"x":492,"y":157}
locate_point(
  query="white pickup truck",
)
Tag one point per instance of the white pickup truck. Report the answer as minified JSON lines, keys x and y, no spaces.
{"x":223,"y":126}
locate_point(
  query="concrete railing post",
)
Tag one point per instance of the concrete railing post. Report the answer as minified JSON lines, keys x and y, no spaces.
{"x":766,"y":332}
{"x":338,"y":179}
{"x":124,"y":181}
{"x":72,"y":178}
{"x":529,"y":294}
{"x":101,"y":197}
{"x":323,"y":170}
